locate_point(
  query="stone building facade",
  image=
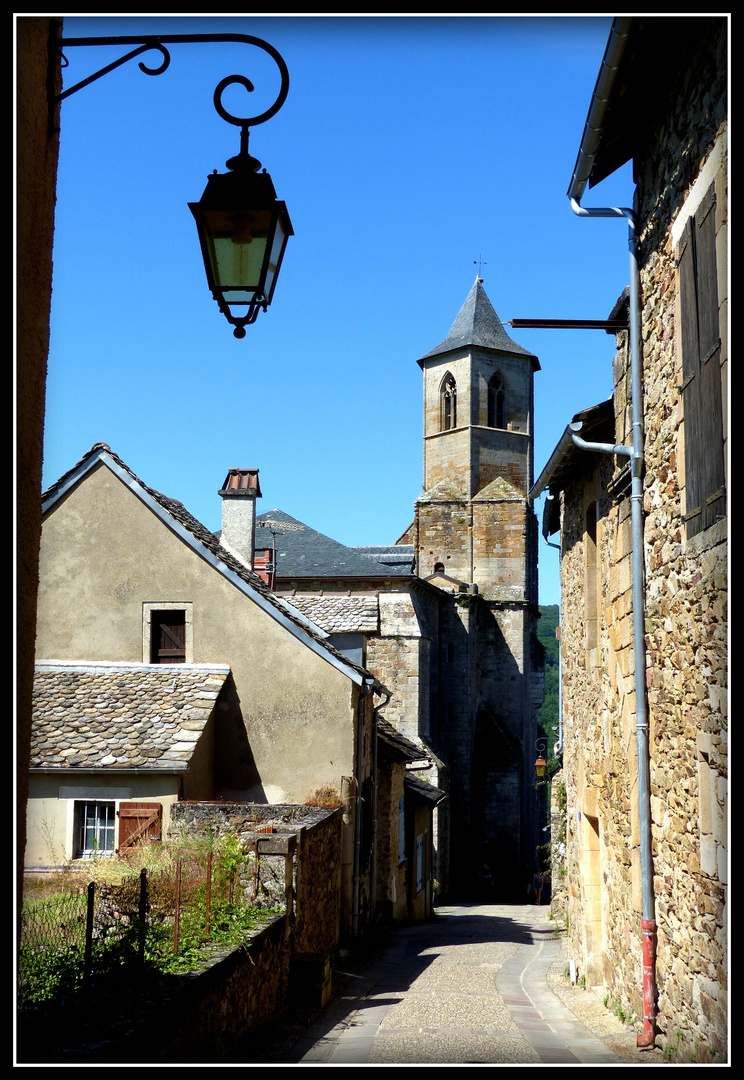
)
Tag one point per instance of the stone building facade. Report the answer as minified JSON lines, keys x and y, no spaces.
{"x":445,"y":618}
{"x":475,"y":537}
{"x":680,"y":167}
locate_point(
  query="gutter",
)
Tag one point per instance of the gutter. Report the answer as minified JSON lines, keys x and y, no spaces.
{"x":582,"y":169}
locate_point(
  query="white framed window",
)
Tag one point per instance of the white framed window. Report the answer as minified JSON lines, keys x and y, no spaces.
{"x":95,"y":828}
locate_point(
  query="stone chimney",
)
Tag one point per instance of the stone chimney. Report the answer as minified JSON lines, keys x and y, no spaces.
{"x":239,"y":493}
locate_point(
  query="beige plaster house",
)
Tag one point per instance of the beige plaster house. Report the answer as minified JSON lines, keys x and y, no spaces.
{"x":129,"y":576}
{"x":114,"y":745}
{"x":638,"y":488}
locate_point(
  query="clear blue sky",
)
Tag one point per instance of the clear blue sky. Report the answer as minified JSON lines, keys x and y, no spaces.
{"x":408,"y":149}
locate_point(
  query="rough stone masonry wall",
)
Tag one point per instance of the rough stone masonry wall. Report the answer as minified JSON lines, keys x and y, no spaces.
{"x":400,"y":657}
{"x":603,"y":882}
{"x":686,"y":625}
{"x":686,"y":641}
{"x":317,"y":866}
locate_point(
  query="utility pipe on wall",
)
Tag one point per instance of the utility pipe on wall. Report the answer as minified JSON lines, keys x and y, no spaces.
{"x":589,"y":143}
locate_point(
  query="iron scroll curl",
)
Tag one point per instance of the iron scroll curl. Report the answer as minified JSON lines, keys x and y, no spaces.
{"x":159,"y":42}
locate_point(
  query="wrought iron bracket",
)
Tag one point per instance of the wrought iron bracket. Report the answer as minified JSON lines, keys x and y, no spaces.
{"x":159,"y":42}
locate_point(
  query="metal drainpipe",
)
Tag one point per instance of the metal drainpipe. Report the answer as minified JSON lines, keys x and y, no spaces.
{"x":635,"y":452}
{"x":364,"y":690}
{"x":558,"y":748}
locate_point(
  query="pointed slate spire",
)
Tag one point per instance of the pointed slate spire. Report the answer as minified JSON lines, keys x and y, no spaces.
{"x":478,"y":324}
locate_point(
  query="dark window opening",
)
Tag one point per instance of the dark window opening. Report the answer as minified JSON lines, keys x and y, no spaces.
{"x":448,"y":394}
{"x":168,"y":637}
{"x":496,"y":402}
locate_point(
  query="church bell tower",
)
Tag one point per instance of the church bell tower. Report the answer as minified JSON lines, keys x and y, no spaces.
{"x":475,"y":536}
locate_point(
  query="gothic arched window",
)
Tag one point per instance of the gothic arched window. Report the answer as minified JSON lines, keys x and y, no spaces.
{"x":496,"y":402}
{"x":448,"y":402}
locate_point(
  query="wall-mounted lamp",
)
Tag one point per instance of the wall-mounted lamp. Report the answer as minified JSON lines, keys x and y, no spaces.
{"x":541,"y":765}
{"x":243,"y":228}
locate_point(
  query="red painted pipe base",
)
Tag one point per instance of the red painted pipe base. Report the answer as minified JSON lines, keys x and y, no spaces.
{"x":648,"y":930}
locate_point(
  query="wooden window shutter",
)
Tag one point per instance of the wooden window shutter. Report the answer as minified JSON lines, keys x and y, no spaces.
{"x":139,"y":821}
{"x":701,"y":383}
{"x":168,"y":637}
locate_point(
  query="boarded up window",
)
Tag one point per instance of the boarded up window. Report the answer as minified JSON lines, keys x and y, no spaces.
{"x":168,"y":637}
{"x":139,"y":821}
{"x":701,"y":370}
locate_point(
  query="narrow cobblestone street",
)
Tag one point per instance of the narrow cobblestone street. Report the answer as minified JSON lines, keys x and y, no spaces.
{"x":480,"y":984}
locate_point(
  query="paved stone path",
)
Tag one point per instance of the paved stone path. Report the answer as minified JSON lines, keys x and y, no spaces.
{"x":469,"y":987}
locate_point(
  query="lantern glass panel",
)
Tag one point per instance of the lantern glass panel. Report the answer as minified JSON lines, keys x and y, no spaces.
{"x":281,"y":234}
{"x":237,"y":246}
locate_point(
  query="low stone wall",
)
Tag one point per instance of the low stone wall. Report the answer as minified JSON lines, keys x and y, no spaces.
{"x":298,"y":861}
{"x":209,"y":1016}
{"x":213,"y":1016}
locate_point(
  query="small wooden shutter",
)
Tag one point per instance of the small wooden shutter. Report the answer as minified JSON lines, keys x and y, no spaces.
{"x":701,"y":370}
{"x":139,"y":821}
{"x":168,"y":637}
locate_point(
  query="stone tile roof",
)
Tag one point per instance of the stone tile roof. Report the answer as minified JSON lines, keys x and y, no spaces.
{"x":305,"y":552}
{"x":478,"y":324}
{"x":396,"y":747}
{"x":423,"y":789}
{"x":101,"y":715}
{"x":341,"y":614}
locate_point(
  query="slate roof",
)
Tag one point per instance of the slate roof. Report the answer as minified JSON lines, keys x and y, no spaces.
{"x":423,"y":789}
{"x":302,"y":552}
{"x":396,"y":747}
{"x":400,"y":557}
{"x":115,"y":716}
{"x":341,"y":614}
{"x":478,"y":324}
{"x":177,"y":511}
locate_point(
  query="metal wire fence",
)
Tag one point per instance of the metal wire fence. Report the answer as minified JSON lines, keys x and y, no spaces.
{"x":147,"y":917}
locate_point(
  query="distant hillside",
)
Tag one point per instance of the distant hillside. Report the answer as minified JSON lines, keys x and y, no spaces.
{"x":547,"y":717}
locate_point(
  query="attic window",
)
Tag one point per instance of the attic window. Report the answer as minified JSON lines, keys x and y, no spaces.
{"x":168,"y":637}
{"x":167,"y":633}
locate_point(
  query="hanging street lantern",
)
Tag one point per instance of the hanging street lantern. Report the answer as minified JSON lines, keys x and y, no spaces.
{"x":243,"y":229}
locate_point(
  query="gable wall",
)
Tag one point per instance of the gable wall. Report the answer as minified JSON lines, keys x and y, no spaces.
{"x":104,"y":554}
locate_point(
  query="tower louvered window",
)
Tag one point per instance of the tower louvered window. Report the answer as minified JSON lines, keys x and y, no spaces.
{"x":496,"y":402}
{"x":448,"y":394}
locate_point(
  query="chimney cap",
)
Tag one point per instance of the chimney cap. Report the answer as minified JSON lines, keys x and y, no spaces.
{"x":241,"y":482}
